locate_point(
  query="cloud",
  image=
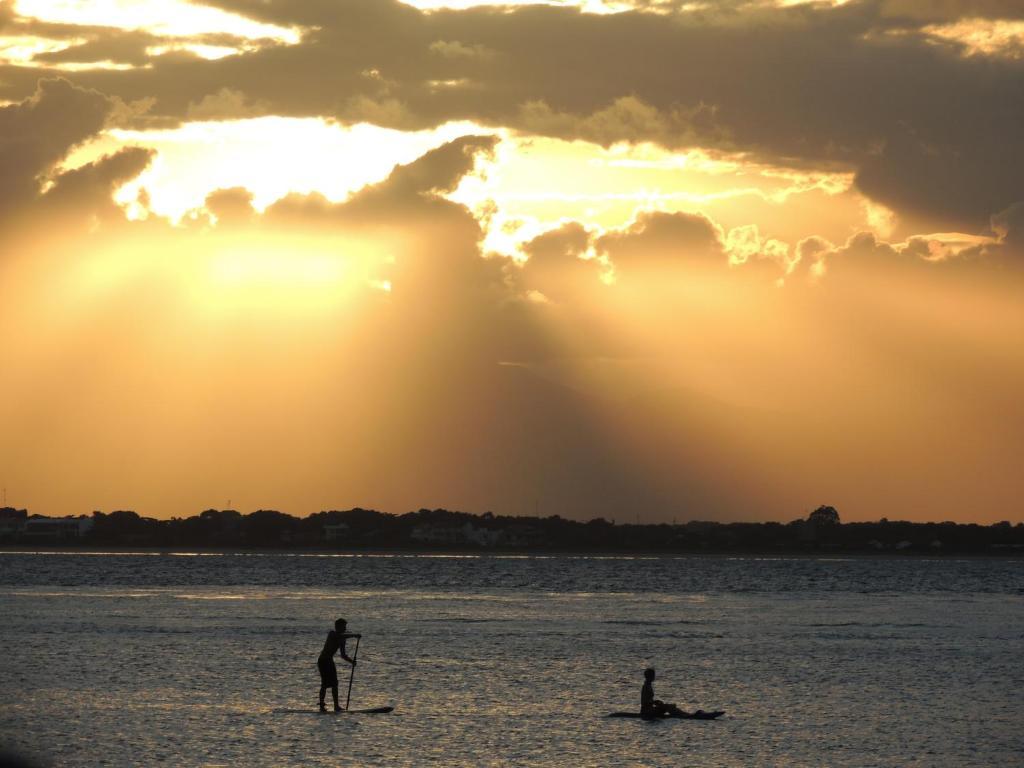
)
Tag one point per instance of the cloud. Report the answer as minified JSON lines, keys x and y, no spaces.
{"x":453,"y":49}
{"x":662,"y":240}
{"x":746,"y":247}
{"x":383,"y":111}
{"x":440,"y":170}
{"x":558,"y":266}
{"x":231,"y":207}
{"x":225,"y":104}
{"x":960,"y":183}
{"x":89,"y":190}
{"x":931,"y":134}
{"x":1009,"y":227}
{"x":424,"y":246}
{"x":929,"y":11}
{"x":625,"y":119}
{"x":811,"y":253}
{"x":38,"y":132}
{"x":417,"y":188}
{"x":118,"y":46}
{"x":933,"y":257}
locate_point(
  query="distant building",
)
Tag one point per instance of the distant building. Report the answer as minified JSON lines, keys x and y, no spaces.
{"x":435,"y":534}
{"x":335,"y":531}
{"x":451,"y":535}
{"x":482,"y":537}
{"x":12,"y":522}
{"x":57,"y":528}
{"x":522,"y":536}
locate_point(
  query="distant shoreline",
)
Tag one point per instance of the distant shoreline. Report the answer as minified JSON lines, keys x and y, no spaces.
{"x":444,"y":532}
{"x":498,"y":554}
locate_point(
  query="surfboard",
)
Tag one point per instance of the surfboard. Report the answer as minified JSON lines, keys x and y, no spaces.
{"x":372,"y":711}
{"x":700,"y":714}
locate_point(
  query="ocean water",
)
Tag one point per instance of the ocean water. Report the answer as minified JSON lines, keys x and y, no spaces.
{"x":190,"y":660}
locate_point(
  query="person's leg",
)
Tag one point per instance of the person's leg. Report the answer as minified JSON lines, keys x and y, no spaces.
{"x":334,"y":693}
{"x":324,"y":681}
{"x":663,"y":709}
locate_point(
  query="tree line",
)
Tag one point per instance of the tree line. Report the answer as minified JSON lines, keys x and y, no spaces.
{"x":441,"y":529}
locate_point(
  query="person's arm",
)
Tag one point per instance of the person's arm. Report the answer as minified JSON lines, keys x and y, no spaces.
{"x":341,"y":647}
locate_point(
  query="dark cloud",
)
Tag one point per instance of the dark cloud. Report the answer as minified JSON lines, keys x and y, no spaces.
{"x":232,"y":207}
{"x":663,"y":240}
{"x":557,"y":267}
{"x":89,"y":189}
{"x":556,"y":246}
{"x":920,"y":261}
{"x":811,"y":253}
{"x":425,"y":245}
{"x":440,"y":170}
{"x":1008,"y":247}
{"x":931,"y":132}
{"x":417,"y":188}
{"x":225,"y":104}
{"x":1009,"y":227}
{"x":960,"y":182}
{"x":38,"y":132}
{"x":938,"y":11}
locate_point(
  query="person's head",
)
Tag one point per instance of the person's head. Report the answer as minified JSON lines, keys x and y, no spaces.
{"x":649,"y":674}
{"x":340,"y":625}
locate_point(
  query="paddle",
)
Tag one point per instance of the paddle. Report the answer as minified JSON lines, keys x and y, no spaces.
{"x":352,"y":673}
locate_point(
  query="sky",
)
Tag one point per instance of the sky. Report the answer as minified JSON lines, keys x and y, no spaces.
{"x":675,"y":259}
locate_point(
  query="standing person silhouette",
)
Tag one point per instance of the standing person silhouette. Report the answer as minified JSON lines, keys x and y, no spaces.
{"x":325,"y":661}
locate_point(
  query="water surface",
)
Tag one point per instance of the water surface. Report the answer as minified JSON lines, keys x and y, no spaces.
{"x":143,"y":659}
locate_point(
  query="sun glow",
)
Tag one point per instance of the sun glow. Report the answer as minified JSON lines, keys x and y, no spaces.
{"x":664,"y":7}
{"x":19,"y":50}
{"x":587,"y":6}
{"x":209,"y":52}
{"x":159,"y":17}
{"x":285,"y":274}
{"x":247,"y":275}
{"x":246,"y":265}
{"x":269,"y":156}
{"x":982,"y":37}
{"x":530,"y":184}
{"x":534,"y":184}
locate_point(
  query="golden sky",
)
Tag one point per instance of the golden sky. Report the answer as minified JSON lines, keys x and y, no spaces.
{"x":698,"y":260}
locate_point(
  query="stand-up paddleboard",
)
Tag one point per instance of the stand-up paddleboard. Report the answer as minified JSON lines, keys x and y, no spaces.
{"x":700,"y":714}
{"x":373,"y":711}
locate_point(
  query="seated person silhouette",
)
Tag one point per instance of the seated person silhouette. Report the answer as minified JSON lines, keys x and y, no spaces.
{"x":650,"y":706}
